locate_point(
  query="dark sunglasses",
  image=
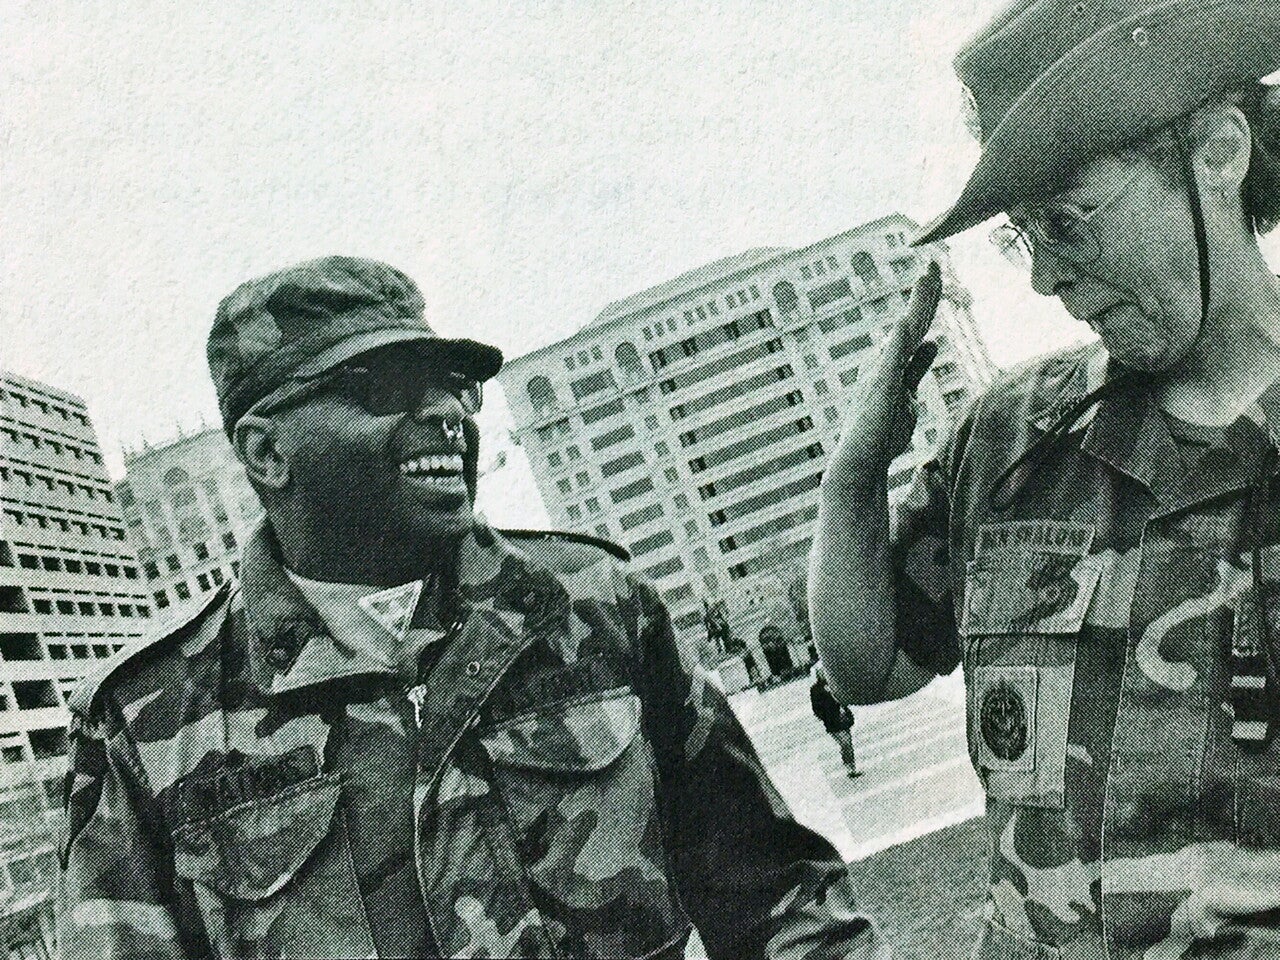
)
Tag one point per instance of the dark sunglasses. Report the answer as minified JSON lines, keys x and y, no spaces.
{"x":383,"y":389}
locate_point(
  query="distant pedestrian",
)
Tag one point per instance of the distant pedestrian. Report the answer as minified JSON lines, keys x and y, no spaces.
{"x":836,"y":718}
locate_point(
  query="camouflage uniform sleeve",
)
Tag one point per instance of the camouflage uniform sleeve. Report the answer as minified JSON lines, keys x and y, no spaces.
{"x":116,"y":886}
{"x":755,"y":883}
{"x":919,"y":535}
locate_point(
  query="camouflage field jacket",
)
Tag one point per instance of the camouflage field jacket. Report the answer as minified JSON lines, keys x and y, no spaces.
{"x":566,"y":787}
{"x":1094,"y":618}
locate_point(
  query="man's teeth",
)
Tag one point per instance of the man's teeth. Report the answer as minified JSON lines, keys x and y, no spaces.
{"x":441,"y":465}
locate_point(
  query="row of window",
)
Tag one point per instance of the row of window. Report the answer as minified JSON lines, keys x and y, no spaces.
{"x":199,"y":550}
{"x":46,"y":744}
{"x":58,"y":471}
{"x":53,"y":563}
{"x":89,"y":608}
{"x":740,"y":297}
{"x":745,"y":568}
{"x":770,"y":528}
{"x":205,"y":581}
{"x":45,"y":519}
{"x":583,"y":358}
{"x":38,"y":442}
{"x":758,"y":471}
{"x":83,"y":651}
{"x":733,"y":451}
{"x":729,"y":332}
{"x":28,"y":399}
{"x":52,"y":482}
{"x":720,"y":365}
{"x":739,"y":418}
{"x":731,"y":391}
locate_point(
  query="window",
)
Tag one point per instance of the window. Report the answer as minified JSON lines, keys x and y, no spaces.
{"x":66,"y":606}
{"x":661,"y":449}
{"x":584,"y":479}
{"x":183,"y":591}
{"x":73,"y":566}
{"x":161,"y":598}
{"x":574,"y":512}
{"x":593,"y":505}
{"x":553,"y":459}
{"x":564,"y":486}
{"x":806,"y":273}
{"x":671,"y":475}
{"x":574,"y":453}
{"x":832,"y":415}
{"x":690,"y":529}
{"x":111,"y":569}
{"x":596,"y":354}
{"x":107,"y":609}
{"x":568,"y":362}
{"x":87,"y":608}
{"x":216,"y":574}
{"x":229,"y":541}
{"x":651,"y":422}
{"x":92,"y":568}
{"x":820,"y":387}
{"x":42,"y":606}
{"x":171,"y":561}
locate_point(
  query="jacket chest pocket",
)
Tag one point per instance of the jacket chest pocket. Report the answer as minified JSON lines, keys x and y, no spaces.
{"x":578,"y":785}
{"x":274,"y":877}
{"x":1021,"y":622}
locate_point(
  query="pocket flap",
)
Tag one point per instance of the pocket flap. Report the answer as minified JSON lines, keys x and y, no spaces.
{"x":1025,"y":592}
{"x":252,"y":850}
{"x":582,"y":736}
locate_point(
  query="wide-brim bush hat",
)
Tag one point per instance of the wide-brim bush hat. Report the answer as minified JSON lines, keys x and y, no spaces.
{"x":1052,"y":83}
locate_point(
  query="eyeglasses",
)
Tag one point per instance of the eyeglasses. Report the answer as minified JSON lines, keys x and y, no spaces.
{"x":385,"y":388}
{"x":1061,"y":228}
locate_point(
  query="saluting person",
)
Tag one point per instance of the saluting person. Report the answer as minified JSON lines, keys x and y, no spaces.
{"x":1099,"y":543}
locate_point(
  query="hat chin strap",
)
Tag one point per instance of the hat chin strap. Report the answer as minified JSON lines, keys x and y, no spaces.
{"x":1186,"y":152}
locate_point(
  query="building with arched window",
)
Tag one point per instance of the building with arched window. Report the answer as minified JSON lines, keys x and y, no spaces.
{"x":691,"y":422}
{"x":188,"y":507}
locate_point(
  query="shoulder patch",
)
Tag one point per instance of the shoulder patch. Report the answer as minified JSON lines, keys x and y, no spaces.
{"x":81,"y":700}
{"x":552,"y":537}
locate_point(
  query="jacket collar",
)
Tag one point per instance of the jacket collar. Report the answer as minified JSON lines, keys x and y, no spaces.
{"x":1129,"y":432}
{"x":292,"y":647}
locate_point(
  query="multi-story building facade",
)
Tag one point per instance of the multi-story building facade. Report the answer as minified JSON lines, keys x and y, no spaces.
{"x":188,"y":506}
{"x":71,"y":594}
{"x":692,"y":422}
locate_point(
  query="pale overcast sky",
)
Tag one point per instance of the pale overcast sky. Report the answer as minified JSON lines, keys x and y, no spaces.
{"x":525,"y":163}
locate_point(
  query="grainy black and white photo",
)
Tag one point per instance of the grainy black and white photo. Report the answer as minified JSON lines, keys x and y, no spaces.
{"x":617,"y":479}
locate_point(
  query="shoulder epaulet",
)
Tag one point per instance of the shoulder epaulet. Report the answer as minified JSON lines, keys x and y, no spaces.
{"x":81,"y":700}
{"x":567,"y":536}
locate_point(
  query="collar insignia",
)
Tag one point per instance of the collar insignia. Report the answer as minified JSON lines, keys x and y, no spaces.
{"x":393,"y":608}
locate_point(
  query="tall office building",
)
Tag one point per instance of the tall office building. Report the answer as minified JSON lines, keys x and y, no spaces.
{"x":692,"y":422}
{"x":71,"y":594}
{"x":188,"y":507}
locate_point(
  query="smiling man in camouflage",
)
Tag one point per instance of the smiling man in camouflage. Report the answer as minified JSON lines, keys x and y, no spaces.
{"x":403,"y":734}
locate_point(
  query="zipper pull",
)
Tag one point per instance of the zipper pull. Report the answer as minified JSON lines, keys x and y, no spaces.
{"x":417,"y":696}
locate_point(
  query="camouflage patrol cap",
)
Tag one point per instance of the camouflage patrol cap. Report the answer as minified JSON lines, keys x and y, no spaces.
{"x":308,"y":318}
